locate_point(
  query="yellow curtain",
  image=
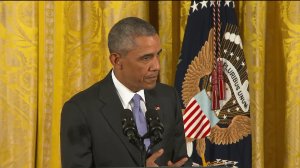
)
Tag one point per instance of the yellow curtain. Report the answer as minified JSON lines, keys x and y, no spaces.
{"x":271,"y":34}
{"x":49,"y":50}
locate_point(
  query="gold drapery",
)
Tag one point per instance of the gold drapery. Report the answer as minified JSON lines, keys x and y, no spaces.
{"x":51,"y":50}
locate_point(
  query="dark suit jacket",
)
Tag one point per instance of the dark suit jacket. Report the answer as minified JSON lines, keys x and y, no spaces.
{"x":91,"y":128}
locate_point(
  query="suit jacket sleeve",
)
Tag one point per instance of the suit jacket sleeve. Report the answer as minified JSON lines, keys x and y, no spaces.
{"x":180,"y":143}
{"x":75,"y":138}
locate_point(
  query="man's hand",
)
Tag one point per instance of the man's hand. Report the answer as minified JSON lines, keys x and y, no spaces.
{"x":151,"y":160}
{"x":179,"y":163}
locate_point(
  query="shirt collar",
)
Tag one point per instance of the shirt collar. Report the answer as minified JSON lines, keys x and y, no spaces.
{"x":124,"y":93}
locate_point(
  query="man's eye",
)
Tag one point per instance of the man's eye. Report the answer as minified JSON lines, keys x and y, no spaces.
{"x":146,"y":57}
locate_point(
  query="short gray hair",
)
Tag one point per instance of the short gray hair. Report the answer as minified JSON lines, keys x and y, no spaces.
{"x":122,"y":35}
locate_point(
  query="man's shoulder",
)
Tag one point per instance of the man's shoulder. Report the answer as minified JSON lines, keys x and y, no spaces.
{"x":87,"y":93}
{"x":164,"y":87}
{"x":92,"y":91}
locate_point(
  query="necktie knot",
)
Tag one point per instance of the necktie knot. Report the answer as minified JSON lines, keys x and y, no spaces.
{"x":136,"y":101}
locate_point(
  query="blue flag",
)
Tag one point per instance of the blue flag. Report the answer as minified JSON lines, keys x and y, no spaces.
{"x":229,"y":141}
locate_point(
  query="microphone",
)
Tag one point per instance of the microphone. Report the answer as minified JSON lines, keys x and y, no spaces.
{"x":130,"y":130}
{"x":156,"y":128}
{"x":129,"y":127}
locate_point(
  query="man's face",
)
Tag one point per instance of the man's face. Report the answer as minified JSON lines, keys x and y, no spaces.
{"x":140,"y":67}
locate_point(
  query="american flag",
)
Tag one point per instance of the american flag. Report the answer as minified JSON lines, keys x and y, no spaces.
{"x":198,"y":117}
{"x":196,"y":124}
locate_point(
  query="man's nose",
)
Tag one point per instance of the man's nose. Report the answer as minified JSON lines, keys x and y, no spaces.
{"x":155,"y":64}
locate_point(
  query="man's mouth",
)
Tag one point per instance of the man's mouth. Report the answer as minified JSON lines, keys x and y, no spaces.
{"x":152,"y":77}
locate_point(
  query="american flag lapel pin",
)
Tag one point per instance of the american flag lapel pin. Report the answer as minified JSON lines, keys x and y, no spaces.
{"x":157,"y":108}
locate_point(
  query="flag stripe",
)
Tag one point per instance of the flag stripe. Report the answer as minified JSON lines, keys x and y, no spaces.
{"x":192,"y":115}
{"x":197,"y":126}
{"x":187,"y":125}
{"x":190,"y":108}
{"x":191,"y":103}
{"x":203,"y":130}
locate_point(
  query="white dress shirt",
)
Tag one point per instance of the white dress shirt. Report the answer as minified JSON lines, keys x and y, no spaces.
{"x":126,"y":95}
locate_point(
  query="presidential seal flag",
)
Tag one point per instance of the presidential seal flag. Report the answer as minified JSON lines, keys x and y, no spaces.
{"x":212,"y":82}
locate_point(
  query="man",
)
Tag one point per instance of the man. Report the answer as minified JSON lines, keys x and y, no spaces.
{"x":91,"y":127}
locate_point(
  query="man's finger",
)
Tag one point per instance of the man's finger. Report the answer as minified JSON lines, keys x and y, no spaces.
{"x":179,"y":163}
{"x":156,"y":155}
{"x":151,"y":160}
{"x":170,"y":163}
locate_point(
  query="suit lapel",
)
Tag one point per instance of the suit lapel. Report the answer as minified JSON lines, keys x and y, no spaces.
{"x":152,"y":102}
{"x":151,"y":99}
{"x":112,"y":113}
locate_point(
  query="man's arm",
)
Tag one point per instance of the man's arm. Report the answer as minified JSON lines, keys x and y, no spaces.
{"x":75,"y":139}
{"x":180,"y":143}
{"x":180,"y":157}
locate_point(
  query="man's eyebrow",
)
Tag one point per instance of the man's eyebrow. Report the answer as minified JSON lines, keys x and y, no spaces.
{"x":159,"y":51}
{"x":152,"y":54}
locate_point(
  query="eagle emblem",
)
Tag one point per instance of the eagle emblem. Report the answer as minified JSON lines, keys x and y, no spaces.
{"x":234,"y":112}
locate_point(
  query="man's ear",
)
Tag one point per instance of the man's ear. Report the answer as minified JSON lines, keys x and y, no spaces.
{"x":115,"y":60}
